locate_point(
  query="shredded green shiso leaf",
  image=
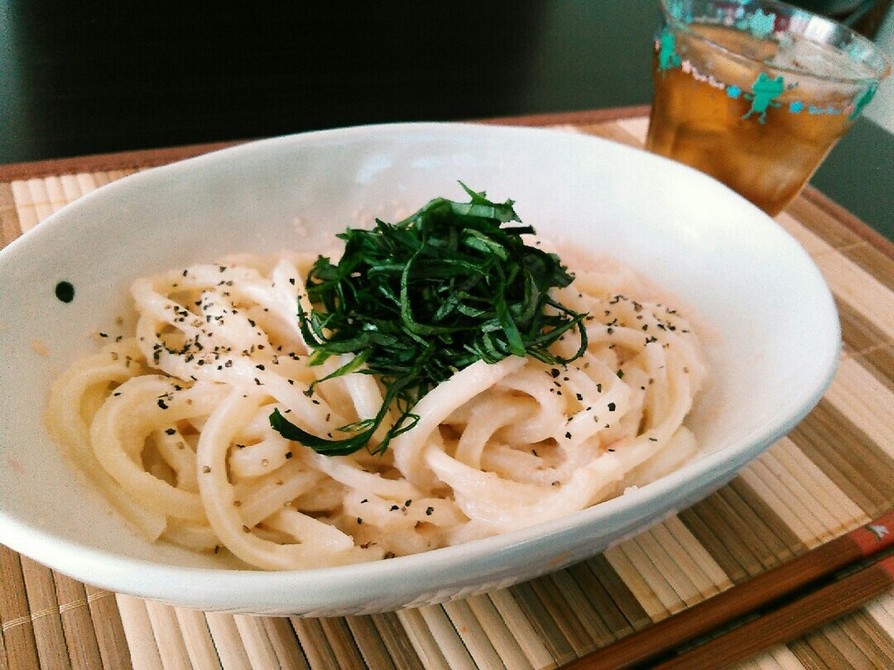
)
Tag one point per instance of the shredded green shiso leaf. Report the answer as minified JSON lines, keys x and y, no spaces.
{"x":417,"y":300}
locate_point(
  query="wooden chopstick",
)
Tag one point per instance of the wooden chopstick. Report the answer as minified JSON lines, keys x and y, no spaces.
{"x":790,"y":621}
{"x":786,"y":623}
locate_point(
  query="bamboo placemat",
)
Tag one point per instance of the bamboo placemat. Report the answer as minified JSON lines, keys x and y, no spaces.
{"x":833,"y":472}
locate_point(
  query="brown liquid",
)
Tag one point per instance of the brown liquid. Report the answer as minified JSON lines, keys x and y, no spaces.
{"x":700,"y":124}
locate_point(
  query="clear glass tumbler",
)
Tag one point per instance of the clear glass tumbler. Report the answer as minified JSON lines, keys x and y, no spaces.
{"x":756,"y":93}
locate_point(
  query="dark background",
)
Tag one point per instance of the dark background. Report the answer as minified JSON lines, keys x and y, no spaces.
{"x":86,"y":77}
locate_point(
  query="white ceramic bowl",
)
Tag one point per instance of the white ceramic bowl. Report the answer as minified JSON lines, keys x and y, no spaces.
{"x":743,"y":274}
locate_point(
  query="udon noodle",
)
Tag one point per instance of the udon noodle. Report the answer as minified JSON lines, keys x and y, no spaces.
{"x":172,"y":422}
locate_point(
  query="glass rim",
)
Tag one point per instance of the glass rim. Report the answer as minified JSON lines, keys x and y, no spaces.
{"x":882,"y":65}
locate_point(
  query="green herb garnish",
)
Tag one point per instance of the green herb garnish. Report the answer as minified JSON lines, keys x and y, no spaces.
{"x":417,"y":300}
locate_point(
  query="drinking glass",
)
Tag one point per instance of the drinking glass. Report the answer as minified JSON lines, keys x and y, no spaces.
{"x":756,"y":93}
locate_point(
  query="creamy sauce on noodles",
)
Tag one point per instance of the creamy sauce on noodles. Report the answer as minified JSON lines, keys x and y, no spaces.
{"x":171,"y":421}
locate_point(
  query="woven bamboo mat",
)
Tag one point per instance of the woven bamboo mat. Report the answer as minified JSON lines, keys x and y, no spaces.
{"x":832,"y":473}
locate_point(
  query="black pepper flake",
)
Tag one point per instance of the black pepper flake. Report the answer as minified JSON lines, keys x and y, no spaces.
{"x":611,"y":407}
{"x":206,"y":469}
{"x":170,"y":431}
{"x":359,"y":520}
{"x":429,"y":511}
{"x":162,"y":403}
{"x":555,"y":372}
{"x":394,"y":508}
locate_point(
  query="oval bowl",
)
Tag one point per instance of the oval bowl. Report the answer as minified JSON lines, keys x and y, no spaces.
{"x":776,"y":350}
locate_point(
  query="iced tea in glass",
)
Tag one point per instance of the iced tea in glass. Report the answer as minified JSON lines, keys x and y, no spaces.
{"x":757,"y":93}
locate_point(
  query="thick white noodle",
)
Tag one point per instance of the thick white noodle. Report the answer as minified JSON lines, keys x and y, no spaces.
{"x":172,"y":423}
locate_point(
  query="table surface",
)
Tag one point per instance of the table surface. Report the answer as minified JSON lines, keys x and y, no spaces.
{"x":832,"y":473}
{"x":88,"y":77}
